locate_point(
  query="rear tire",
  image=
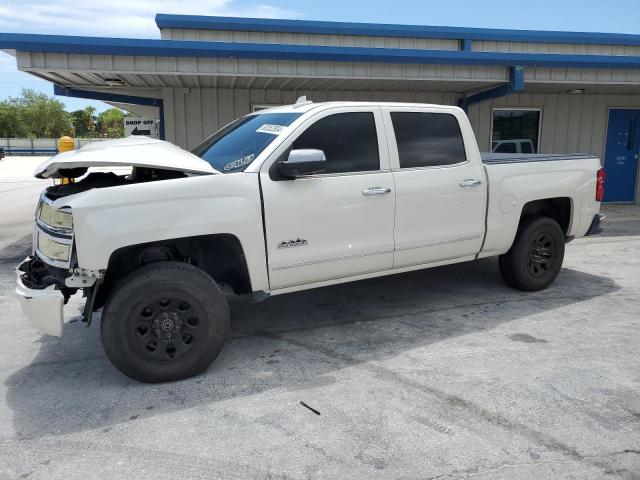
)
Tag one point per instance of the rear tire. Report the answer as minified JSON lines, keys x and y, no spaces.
{"x":535,"y":258}
{"x":165,"y":321}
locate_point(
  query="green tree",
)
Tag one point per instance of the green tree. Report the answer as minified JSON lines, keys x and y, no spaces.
{"x":41,"y":115}
{"x":84,"y":123}
{"x":10,"y":122}
{"x":111,"y":123}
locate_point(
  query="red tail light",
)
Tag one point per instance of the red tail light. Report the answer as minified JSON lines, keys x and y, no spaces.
{"x":600,"y":185}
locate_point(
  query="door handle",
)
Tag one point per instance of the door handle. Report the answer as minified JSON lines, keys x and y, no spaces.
{"x":367,"y":192}
{"x":469,"y":182}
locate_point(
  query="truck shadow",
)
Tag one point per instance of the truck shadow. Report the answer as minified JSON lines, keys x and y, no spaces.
{"x":293,"y":342}
{"x":626,"y":228}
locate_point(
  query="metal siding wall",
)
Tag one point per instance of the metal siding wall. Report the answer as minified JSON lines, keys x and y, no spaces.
{"x":308,"y":39}
{"x":209,"y":111}
{"x":169,"y":115}
{"x":561,"y":48}
{"x":582,"y":75}
{"x":180,"y":120}
{"x":195,"y":116}
{"x":392,"y":42}
{"x":570,"y":123}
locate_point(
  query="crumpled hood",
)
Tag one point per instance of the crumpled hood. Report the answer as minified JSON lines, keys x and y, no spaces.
{"x":135,"y":151}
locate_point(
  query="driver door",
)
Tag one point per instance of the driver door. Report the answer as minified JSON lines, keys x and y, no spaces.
{"x":337,"y":224}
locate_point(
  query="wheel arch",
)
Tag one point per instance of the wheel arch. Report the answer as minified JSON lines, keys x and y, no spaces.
{"x":558,"y":208}
{"x":219,"y":255}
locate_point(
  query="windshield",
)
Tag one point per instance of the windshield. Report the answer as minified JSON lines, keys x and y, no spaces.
{"x":235,"y":146}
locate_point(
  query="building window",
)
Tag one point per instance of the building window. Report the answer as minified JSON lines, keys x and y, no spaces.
{"x":264,"y":106}
{"x":516,"y":130}
{"x":427,"y":139}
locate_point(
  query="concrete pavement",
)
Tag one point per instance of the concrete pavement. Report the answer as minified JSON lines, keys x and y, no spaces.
{"x":444,"y":373}
{"x":18,"y":197}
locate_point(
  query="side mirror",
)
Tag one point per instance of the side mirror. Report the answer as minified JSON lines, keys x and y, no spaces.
{"x":304,"y":161}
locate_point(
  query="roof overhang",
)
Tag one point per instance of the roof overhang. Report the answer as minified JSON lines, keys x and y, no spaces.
{"x":143,"y":67}
{"x":198,"y":49}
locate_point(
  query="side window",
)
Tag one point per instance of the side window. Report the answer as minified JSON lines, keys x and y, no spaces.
{"x":349,"y":141}
{"x":428,"y":139}
{"x":526,"y":146}
{"x":506,"y":147}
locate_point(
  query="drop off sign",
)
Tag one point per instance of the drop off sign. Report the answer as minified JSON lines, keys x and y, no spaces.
{"x":140,"y":126}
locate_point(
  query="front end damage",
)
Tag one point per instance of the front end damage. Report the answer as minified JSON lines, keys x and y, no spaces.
{"x":43,"y":290}
{"x":49,"y":277}
{"x":40,"y":299}
{"x":52,"y":274}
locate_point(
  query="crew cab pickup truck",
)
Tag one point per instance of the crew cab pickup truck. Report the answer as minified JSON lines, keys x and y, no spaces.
{"x":281,"y":200}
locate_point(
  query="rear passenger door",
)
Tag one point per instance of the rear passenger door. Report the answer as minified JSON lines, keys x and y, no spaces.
{"x":440,"y":190}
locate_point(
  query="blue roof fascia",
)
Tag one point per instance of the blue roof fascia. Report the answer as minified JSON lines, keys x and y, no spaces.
{"x":515,"y":85}
{"x":105,"y":96}
{"x":389,"y":30}
{"x":180,"y":48}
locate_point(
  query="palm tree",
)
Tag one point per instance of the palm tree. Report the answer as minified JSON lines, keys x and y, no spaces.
{"x":91,"y":124}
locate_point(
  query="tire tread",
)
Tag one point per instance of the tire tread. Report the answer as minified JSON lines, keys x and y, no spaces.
{"x":124,"y":295}
{"x":511,"y":263}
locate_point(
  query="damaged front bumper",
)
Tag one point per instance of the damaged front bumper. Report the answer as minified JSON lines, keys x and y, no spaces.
{"x":40,"y":300}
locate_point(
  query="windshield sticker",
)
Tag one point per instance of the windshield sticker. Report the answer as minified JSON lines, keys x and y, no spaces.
{"x":241,"y":162}
{"x":272,"y":129}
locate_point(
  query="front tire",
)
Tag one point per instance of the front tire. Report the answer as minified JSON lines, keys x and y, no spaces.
{"x":165,"y":321}
{"x":535,"y":258}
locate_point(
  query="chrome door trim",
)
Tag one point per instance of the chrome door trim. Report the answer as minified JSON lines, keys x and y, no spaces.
{"x":332,"y":259}
{"x":433,"y":244}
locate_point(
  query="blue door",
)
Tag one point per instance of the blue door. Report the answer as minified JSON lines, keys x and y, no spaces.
{"x":621,"y":155}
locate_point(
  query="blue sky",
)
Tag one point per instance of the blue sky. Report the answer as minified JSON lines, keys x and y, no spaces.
{"x":126,"y":18}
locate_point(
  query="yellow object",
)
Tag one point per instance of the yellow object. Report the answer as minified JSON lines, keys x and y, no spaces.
{"x":66,"y":144}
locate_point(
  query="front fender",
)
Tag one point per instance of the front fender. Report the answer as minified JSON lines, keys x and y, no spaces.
{"x":108,"y":219}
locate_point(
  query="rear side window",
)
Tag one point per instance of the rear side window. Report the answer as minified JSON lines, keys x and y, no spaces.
{"x":428,"y":139}
{"x":506,"y":147}
{"x":349,"y":141}
{"x":527,"y":147}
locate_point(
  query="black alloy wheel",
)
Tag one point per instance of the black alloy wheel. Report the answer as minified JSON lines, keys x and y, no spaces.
{"x":165,"y":329}
{"x":541,"y":255}
{"x":536,"y":255}
{"x":165,"y":321}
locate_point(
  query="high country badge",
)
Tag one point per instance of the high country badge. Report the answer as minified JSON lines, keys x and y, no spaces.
{"x":293,"y":243}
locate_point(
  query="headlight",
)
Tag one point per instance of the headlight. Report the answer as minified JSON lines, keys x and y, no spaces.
{"x":53,"y":249}
{"x":57,"y":219}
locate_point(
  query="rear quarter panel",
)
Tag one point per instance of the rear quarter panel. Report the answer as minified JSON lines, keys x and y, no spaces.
{"x":512,"y":186}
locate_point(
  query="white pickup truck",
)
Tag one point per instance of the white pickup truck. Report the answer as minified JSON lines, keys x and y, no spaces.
{"x":286,"y":199}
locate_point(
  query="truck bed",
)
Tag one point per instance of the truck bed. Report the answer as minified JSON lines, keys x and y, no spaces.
{"x":514,"y":179}
{"x":497,"y":158}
